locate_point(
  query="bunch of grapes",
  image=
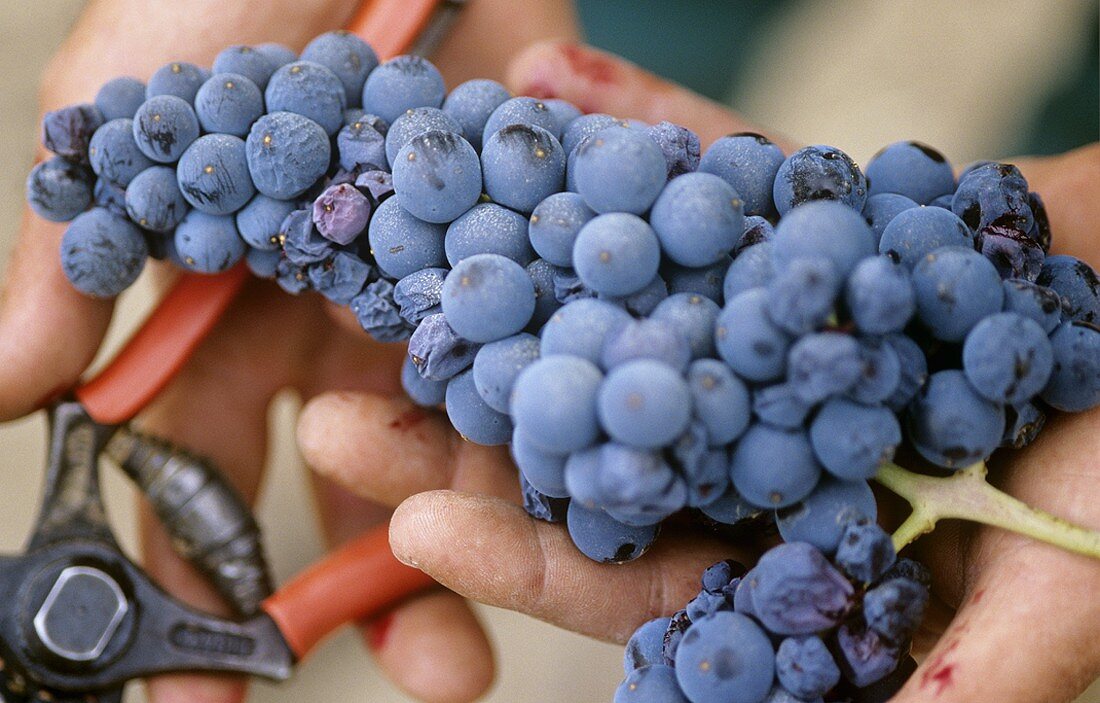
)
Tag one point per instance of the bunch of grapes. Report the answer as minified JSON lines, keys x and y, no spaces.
{"x":742,"y":333}
{"x":795,"y":628}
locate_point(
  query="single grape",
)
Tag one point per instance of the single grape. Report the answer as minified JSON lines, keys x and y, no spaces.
{"x":819,"y":173}
{"x":1025,"y":422}
{"x":263,"y":263}
{"x":470,"y":105}
{"x":644,"y":404}
{"x":796,"y":591}
{"x":1007,"y":358}
{"x":654,"y":683}
{"x":646,"y":646}
{"x":725,"y":658}
{"x":102,"y":253}
{"x":616,"y":254}
{"x":822,"y":517}
{"x":400,"y":84}
{"x":1034,"y":302}
{"x":420,"y":294}
{"x":287,"y":153}
{"x":213,"y":174}
{"x":498,"y":364}
{"x":749,"y":163}
{"x":544,"y":471}
{"x":1077,"y":285}
{"x":360,"y":144}
{"x":525,"y":111}
{"x":154,"y":201}
{"x":880,"y":296}
{"x":649,"y":338}
{"x":403,"y":244}
{"x":579,"y":329}
{"x":956,"y":288}
{"x":244,"y":61}
{"x":1074,"y":385}
{"x":120,"y":97}
{"x":378,"y":315}
{"x":554,"y":225}
{"x":881,"y":209}
{"x":638,"y":487}
{"x":488,"y":228}
{"x":951,"y":425}
{"x":823,"y":364}
{"x":414,"y":123}
{"x":488,"y":297}
{"x":827,"y":230}
{"x":805,"y":667}
{"x":471,"y":416}
{"x":209,"y":243}
{"x":341,"y":213}
{"x":881,"y":374}
{"x":59,"y":190}
{"x":864,"y":657}
{"x":720,"y":400}
{"x":698,"y":219}
{"x":752,"y":268}
{"x":866,"y":551}
{"x":601,"y":538}
{"x":894,"y":609}
{"x":340,"y":278}
{"x":912,"y":169}
{"x":679,"y":145}
{"x":801,"y":296}
{"x":278,"y":54}
{"x":437,"y":176}
{"x":585,"y":126}
{"x":422,"y":391}
{"x":435,"y":348}
{"x":693,"y":316}
{"x":852,"y":440}
{"x":991,"y":193}
{"x":917,"y":232}
{"x":229,"y":103}
{"x":748,"y":340}
{"x":178,"y":79}
{"x":522,"y":165}
{"x":754,"y":461}
{"x":555,"y":399}
{"x":114,"y":155}
{"x":164,"y":126}
{"x":350,"y":58}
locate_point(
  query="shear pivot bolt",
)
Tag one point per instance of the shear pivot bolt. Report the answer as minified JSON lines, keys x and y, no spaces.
{"x":81,"y":613}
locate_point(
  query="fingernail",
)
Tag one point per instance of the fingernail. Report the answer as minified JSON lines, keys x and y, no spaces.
{"x":378,"y":631}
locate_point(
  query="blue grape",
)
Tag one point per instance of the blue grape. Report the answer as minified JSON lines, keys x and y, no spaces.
{"x":748,"y":340}
{"x":824,"y":230}
{"x":649,"y":338}
{"x":347,"y":56}
{"x":287,"y":153}
{"x":645,"y":301}
{"x":580,"y":327}
{"x":914,"y":370}
{"x":290,"y":276}
{"x":894,"y":608}
{"x":541,"y":506}
{"x":619,"y":170}
{"x":1013,"y":253}
{"x":246,"y":62}
{"x":178,"y":79}
{"x":164,"y":126}
{"x":402,"y":244}
{"x":779,"y":405}
{"x":956,"y":288}
{"x":585,"y":126}
{"x":753,"y":466}
{"x":822,"y":517}
{"x":209,"y":243}
{"x":638,"y":487}
{"x":805,"y":667}
{"x":498,"y":364}
{"x":420,"y":294}
{"x":917,"y":232}
{"x":757,"y":230}
{"x":865,"y":552}
{"x":721,"y":576}
{"x":522,"y":166}
{"x":823,"y":364}
{"x":1040,"y":231}
{"x":1007,"y":358}
{"x":488,"y":297}
{"x":693,"y":316}
{"x":302,"y":244}
{"x":435,"y":348}
{"x":912,"y":169}
{"x":488,"y":228}
{"x":943,"y":201}
{"x":229,"y":103}
{"x":378,"y":184}
{"x":582,"y":478}
{"x":59,"y":190}
{"x":437,"y":176}
{"x":601,"y":538}
{"x":706,"y":604}
{"x":102,"y":253}
{"x":698,"y":218}
{"x":679,"y":145}
{"x":154,"y":201}
{"x":654,"y":683}
{"x":379,"y":317}
{"x":554,"y":225}
{"x":796,"y":591}
{"x":749,"y":162}
{"x":801,"y":296}
{"x":544,"y":471}
{"x":880,"y":296}
{"x":414,"y":122}
{"x":951,"y":425}
{"x":706,"y":281}
{"x":993,"y":194}
{"x":360,"y":145}
{"x":554,"y":399}
{"x":644,"y":404}
{"x":569,"y":287}
{"x":341,"y":278}
{"x":881,"y":374}
{"x":720,"y":400}
{"x":864,"y":657}
{"x":678,"y":624}
{"x":278,"y":54}
{"x":563,"y":112}
{"x":1025,"y":422}
{"x":752,"y":268}
{"x":470,"y":105}
{"x":1077,"y":285}
{"x":819,"y":173}
{"x":881,"y":209}
{"x":646,"y":646}
{"x":120,"y":97}
{"x":67,"y":132}
{"x":310,"y":90}
{"x":213,"y":174}
{"x":1075,"y":383}
{"x":114,"y":155}
{"x":341,"y":213}
{"x":263,"y":263}
{"x":111,"y":197}
{"x":471,"y":416}
{"x":526,"y":111}
{"x":729,"y":509}
{"x":707,"y":478}
{"x":400,"y":84}
{"x":725,"y":658}
{"x":616,"y":254}
{"x":542,"y":277}
{"x":852,"y":440}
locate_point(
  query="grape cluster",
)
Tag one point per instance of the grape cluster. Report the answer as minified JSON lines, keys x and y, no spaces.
{"x":650,"y":328}
{"x":796,"y":628}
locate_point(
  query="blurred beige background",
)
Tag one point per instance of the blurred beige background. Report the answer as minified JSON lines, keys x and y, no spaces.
{"x":925,"y":89}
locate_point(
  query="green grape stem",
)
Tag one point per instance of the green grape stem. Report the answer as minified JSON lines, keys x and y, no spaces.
{"x":966,"y":495}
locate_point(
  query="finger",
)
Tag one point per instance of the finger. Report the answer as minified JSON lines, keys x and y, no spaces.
{"x":489,"y":550}
{"x":1067,"y":184}
{"x":386,"y":449}
{"x":1026,"y":629}
{"x":432,"y":646}
{"x":596,"y":81}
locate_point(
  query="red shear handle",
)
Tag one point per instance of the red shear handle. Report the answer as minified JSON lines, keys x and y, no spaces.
{"x":160,"y":348}
{"x":392,"y":26}
{"x":359,"y":581}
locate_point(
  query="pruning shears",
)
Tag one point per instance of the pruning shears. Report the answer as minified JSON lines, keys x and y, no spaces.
{"x":80,"y":619}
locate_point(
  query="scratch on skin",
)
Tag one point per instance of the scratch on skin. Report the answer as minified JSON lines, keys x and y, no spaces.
{"x":939,"y":673}
{"x":407,"y":420}
{"x":977,"y":596}
{"x":590,"y":65}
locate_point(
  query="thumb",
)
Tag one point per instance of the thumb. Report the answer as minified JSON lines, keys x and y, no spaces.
{"x":596,"y":81}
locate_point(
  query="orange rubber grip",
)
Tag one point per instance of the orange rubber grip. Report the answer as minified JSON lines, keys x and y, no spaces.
{"x":195,"y":304}
{"x":359,"y":581}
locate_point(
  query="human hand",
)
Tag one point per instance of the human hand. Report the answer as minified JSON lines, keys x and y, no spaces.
{"x":459,"y":518}
{"x":267,"y":342}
